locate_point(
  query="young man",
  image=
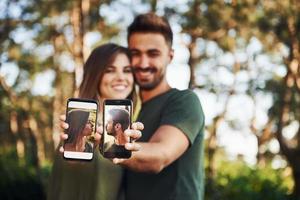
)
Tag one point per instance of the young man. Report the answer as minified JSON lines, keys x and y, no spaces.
{"x":169,"y":164}
{"x":117,"y":124}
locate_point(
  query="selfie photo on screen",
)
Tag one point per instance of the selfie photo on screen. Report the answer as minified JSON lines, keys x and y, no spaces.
{"x":117,"y":120}
{"x":81,"y":130}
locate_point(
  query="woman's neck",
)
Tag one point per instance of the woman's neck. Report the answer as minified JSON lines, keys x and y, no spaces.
{"x":80,"y":143}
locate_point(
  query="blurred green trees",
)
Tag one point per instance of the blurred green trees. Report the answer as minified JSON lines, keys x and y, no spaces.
{"x":235,"y":180}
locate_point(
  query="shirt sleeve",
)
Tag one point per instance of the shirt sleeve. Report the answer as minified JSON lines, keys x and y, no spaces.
{"x":183,"y":110}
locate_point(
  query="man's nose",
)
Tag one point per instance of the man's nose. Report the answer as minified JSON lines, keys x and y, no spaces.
{"x":144,"y":61}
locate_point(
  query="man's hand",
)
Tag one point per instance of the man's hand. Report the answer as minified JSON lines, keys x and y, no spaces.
{"x":134,"y":133}
{"x":165,"y":146}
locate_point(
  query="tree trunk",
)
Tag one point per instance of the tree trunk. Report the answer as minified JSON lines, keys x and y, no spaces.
{"x":37,"y":134}
{"x":153,"y":4}
{"x":57,"y":106}
{"x":14,"y":127}
{"x":77,"y":21}
{"x":58,"y":97}
{"x":14,"y":121}
{"x":289,"y":82}
{"x":212,"y":146}
{"x":296,"y":177}
{"x":32,"y":149}
{"x":262,"y":137}
{"x":193,"y":59}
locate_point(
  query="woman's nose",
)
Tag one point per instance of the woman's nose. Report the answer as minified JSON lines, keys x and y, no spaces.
{"x":120,"y":75}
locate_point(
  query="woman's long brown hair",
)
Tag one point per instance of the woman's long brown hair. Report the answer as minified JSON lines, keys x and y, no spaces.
{"x":100,"y":58}
{"x":77,"y":120}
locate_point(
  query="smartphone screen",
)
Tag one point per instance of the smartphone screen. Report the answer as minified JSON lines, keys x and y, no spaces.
{"x":81,"y":116}
{"x":116,"y":119}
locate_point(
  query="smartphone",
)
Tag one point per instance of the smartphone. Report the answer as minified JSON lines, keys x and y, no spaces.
{"x":81,"y":115}
{"x":116,"y":119}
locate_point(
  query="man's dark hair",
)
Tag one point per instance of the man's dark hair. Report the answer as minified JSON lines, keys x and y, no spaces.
{"x":151,"y":23}
{"x":120,"y":116}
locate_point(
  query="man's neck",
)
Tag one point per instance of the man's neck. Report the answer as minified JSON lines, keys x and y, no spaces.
{"x":159,"y":89}
{"x":120,"y":138}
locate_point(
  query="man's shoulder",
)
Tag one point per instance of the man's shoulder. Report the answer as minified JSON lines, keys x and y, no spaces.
{"x":185,"y":96}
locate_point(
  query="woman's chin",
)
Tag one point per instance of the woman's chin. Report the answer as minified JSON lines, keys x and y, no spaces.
{"x":120,"y":94}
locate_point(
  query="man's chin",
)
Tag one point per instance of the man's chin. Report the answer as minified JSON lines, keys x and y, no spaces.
{"x":147,"y":87}
{"x":149,"y":84}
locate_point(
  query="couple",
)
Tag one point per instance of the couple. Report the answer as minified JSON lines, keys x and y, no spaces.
{"x":169,"y":162}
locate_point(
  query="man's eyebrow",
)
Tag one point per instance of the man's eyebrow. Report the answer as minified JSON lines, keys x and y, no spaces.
{"x":153,"y":50}
{"x":148,"y":50}
{"x":133,"y":49}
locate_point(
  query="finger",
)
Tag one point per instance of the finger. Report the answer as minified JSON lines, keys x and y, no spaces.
{"x":117,"y":160}
{"x":64,"y":125}
{"x":137,"y":126}
{"x":99,"y":130}
{"x":63,"y":136}
{"x":134,"y":134}
{"x":97,"y":138}
{"x":132,"y":146}
{"x":61,"y":149}
{"x":62,"y":117}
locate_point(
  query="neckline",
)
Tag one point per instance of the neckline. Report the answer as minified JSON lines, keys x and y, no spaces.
{"x":157,"y":96}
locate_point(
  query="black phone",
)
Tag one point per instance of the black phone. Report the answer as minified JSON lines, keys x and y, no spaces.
{"x":81,"y":115}
{"x":116,"y":119}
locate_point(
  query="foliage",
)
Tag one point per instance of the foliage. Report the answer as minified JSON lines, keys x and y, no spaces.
{"x":19,"y":181}
{"x":236,"y":180}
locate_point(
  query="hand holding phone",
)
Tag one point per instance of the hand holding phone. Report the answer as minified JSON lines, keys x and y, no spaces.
{"x":116,"y":119}
{"x":81,"y":117}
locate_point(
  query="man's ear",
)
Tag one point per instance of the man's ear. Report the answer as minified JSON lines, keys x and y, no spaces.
{"x":117,"y":126}
{"x":171,"y":54}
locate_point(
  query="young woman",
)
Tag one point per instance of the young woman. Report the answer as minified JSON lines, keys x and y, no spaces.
{"x":80,"y":129}
{"x":107,"y":74}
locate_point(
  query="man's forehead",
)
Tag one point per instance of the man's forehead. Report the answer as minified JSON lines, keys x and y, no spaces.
{"x":146,"y":41}
{"x":109,"y":118}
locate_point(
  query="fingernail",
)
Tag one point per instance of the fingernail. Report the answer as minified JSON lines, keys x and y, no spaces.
{"x":134,"y":126}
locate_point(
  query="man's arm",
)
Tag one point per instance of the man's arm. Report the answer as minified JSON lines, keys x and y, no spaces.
{"x":166,"y":145}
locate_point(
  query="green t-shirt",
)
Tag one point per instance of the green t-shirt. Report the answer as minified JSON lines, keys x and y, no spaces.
{"x":95,"y":180}
{"x":184,"y":178}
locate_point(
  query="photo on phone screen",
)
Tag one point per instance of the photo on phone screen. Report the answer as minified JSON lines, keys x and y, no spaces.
{"x":81,"y":117}
{"x":117,"y":118}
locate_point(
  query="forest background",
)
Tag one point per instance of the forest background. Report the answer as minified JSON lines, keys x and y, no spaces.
{"x":241,"y":57}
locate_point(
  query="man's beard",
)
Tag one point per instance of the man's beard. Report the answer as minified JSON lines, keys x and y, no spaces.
{"x":112,"y":133}
{"x":149,"y":85}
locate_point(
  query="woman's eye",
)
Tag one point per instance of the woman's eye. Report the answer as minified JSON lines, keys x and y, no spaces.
{"x":127,"y":70}
{"x":109,"y":70}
